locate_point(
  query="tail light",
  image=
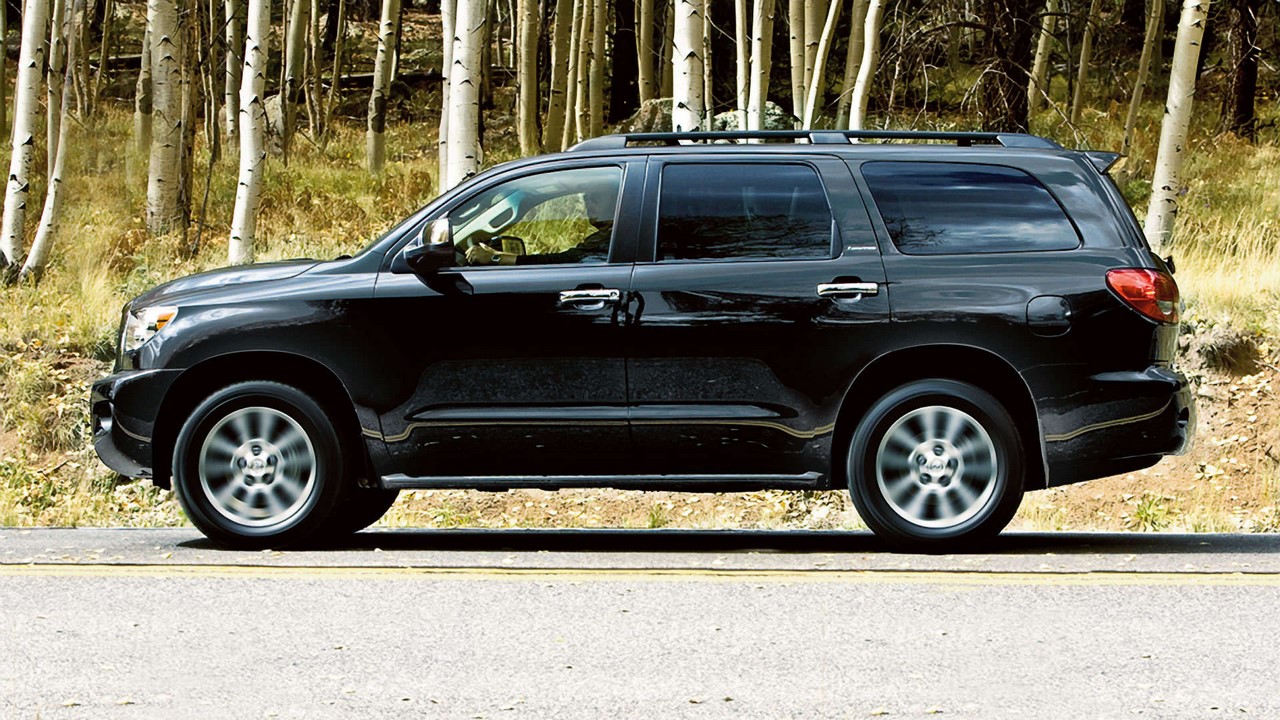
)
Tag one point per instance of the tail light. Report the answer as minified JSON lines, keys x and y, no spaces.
{"x":1151,"y":292}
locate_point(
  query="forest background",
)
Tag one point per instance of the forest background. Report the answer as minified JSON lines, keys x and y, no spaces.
{"x":174,"y":136}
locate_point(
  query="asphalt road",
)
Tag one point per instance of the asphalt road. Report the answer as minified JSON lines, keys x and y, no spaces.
{"x":647,"y":624}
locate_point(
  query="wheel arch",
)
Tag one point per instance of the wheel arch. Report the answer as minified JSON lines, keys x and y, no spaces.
{"x":965,"y":363}
{"x":204,"y":378}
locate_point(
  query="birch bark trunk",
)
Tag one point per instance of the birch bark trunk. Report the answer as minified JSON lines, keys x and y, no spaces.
{"x":852,"y":61}
{"x":567,"y":130}
{"x":742,"y":59}
{"x":816,"y":89}
{"x":235,"y":65}
{"x":761,"y":61}
{"x":464,"y":93}
{"x":795,"y":24}
{"x":553,"y":127}
{"x":1086,"y":57}
{"x":1167,"y":183}
{"x":814,"y":12}
{"x":38,"y":258}
{"x":375,"y":137}
{"x":164,"y":176}
{"x":253,"y":150}
{"x":1155,"y":18}
{"x":1040,"y":67}
{"x":581,"y":101}
{"x":448,"y":33}
{"x":644,"y":48}
{"x":867,"y":68}
{"x":527,"y":76}
{"x":294,"y":70}
{"x":26,"y":113}
{"x":53,"y":87}
{"x":687,"y":107}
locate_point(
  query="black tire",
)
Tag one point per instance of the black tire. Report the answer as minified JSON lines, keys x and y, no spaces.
{"x":936,"y":464}
{"x":259,"y":464}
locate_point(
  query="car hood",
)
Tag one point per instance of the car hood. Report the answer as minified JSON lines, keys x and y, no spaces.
{"x":182,"y":288}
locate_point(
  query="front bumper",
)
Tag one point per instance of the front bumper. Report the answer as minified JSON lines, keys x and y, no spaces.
{"x":1120,"y":422}
{"x":123,"y":408}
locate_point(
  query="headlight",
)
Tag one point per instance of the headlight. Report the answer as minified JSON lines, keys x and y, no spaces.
{"x":141,"y":325}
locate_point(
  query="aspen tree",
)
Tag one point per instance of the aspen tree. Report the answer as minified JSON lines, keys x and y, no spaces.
{"x":665,"y":82}
{"x":53,"y":87}
{"x":1086,"y":56}
{"x":38,"y":258}
{"x":294,"y":67}
{"x":814,"y":12}
{"x":815,"y":92}
{"x":164,"y":174}
{"x":1155,"y":18}
{"x":142,"y":109}
{"x":26,"y":113}
{"x":375,"y":137}
{"x":253,"y":117}
{"x":464,"y":93}
{"x":644,"y":48}
{"x":235,"y":64}
{"x":687,"y":107}
{"x":553,"y":128}
{"x":867,"y":68}
{"x":581,"y":99}
{"x":708,"y":102}
{"x":743,"y":60}
{"x":761,"y":61}
{"x":595,"y":96}
{"x":1167,"y":183}
{"x":852,"y":61}
{"x":795,"y":24}
{"x":1039,"y":86}
{"x":527,"y":76}
{"x":568,"y":130}
{"x":448,"y":31}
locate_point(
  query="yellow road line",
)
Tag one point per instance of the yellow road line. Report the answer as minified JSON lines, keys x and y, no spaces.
{"x":877,"y":577}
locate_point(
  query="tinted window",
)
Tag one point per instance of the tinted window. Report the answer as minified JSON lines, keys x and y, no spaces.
{"x":943,"y":208}
{"x":730,"y":210}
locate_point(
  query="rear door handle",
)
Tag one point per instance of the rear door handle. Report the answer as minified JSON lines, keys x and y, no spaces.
{"x":847,"y":290}
{"x":594,"y":299}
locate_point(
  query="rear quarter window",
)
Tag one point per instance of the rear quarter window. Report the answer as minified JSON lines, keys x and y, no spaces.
{"x":932,"y":208}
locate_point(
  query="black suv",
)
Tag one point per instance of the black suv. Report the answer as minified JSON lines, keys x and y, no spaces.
{"x":938,"y":325}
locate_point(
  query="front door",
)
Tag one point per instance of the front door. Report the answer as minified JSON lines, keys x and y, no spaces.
{"x":513,"y":361}
{"x":760,"y":294}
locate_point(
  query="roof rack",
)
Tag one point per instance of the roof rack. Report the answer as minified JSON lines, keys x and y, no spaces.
{"x":815,"y":137}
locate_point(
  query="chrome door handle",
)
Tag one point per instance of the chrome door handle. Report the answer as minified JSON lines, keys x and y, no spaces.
{"x":590,"y":299}
{"x":847,"y":291}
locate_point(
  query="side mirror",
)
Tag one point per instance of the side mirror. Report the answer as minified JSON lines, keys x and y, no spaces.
{"x":512,"y":245}
{"x":432,"y":250}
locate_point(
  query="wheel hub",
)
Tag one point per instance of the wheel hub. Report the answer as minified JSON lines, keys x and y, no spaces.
{"x":936,"y":462}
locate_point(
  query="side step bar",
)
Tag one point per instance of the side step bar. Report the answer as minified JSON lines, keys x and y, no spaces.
{"x":687,"y":483}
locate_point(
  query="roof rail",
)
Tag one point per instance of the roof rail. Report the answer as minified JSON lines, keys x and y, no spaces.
{"x":815,"y":137}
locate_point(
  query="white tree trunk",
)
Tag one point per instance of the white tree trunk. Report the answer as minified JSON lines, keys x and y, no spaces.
{"x":867,"y":69}
{"x":527,"y":76}
{"x":553,"y":127}
{"x":814,"y":12}
{"x":644,"y":49}
{"x":1166,"y":183}
{"x":1155,"y":18}
{"x":581,"y":93}
{"x":253,"y":149}
{"x":687,"y":107}
{"x":708,"y":101}
{"x":761,"y":61}
{"x":235,"y":65}
{"x":1040,"y":67}
{"x":4,"y":76}
{"x":464,"y":93}
{"x":568,"y":131}
{"x":164,"y":182}
{"x":795,"y":24}
{"x":375,"y":137}
{"x":816,"y":90}
{"x":448,"y":31}
{"x":1086,"y":57}
{"x":666,"y":82}
{"x":599,"y":17}
{"x":742,"y":60}
{"x":852,"y":61}
{"x":26,"y":113}
{"x":38,"y":258}
{"x":53,"y":88}
{"x":294,"y":71}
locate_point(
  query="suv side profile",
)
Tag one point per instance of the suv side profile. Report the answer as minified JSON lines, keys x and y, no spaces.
{"x":938,"y":325}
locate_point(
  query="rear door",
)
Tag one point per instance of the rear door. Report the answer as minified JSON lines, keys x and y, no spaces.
{"x":758,"y":296}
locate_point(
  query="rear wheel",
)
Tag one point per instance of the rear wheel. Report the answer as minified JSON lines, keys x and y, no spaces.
{"x":935,"y":464}
{"x":259,"y":464}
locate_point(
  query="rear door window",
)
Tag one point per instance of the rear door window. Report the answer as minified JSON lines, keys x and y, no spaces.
{"x":721,"y":211}
{"x":934,"y":208}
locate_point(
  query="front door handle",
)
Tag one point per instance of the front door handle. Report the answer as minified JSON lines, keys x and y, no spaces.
{"x":590,"y":299}
{"x":847,"y":290}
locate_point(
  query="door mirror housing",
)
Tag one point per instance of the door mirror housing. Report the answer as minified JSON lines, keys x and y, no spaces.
{"x":431,"y":250}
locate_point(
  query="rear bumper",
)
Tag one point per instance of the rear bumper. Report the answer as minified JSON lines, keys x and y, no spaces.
{"x":123,"y":410}
{"x":1120,"y":422}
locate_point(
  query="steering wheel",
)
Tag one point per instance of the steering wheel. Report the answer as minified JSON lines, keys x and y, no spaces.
{"x":494,"y":243}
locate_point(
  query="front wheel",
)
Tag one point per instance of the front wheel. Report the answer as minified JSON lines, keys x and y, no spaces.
{"x":258,"y":464}
{"x":934,"y":464}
